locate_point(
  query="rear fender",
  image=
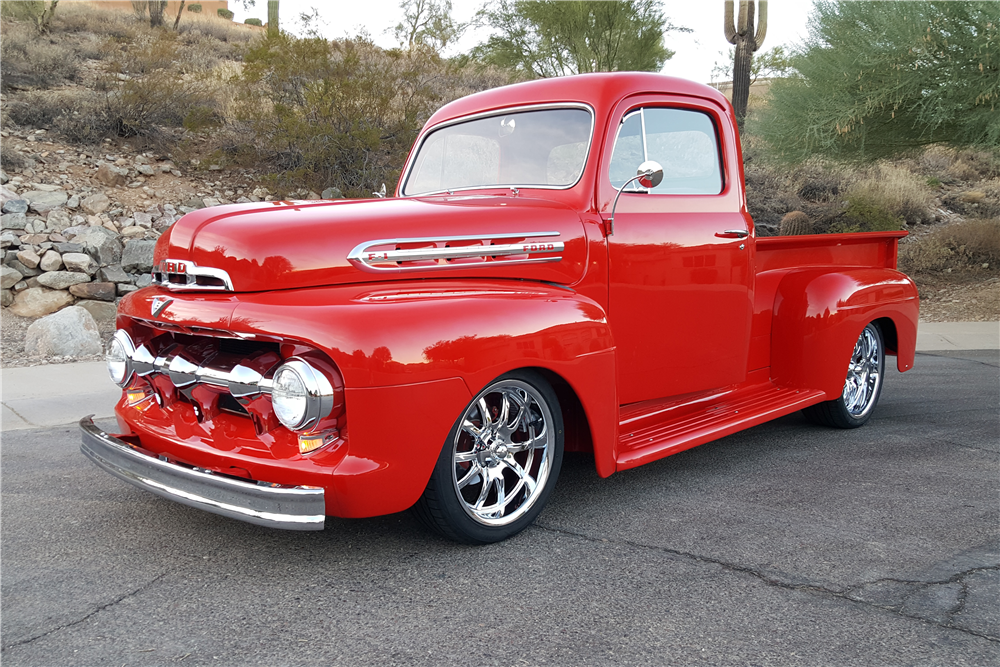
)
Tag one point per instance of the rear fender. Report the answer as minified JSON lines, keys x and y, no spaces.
{"x":819,"y":314}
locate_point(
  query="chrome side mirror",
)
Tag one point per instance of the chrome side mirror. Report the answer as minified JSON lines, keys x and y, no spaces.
{"x":649,"y":174}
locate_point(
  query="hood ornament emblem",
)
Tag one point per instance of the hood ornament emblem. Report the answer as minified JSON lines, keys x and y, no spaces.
{"x":160,"y":304}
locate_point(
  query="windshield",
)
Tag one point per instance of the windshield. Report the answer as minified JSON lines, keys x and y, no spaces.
{"x":544,"y":148}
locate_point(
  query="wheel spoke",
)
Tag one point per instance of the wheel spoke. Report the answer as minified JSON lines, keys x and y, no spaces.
{"x":484,"y":492}
{"x":465,"y":457}
{"x":523,"y":476}
{"x":474,"y":471}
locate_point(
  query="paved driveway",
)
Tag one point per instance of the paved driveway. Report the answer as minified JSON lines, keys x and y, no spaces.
{"x":788,"y":544}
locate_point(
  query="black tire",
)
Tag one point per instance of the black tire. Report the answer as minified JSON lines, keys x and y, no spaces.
{"x":467,"y":498}
{"x":862,"y":387}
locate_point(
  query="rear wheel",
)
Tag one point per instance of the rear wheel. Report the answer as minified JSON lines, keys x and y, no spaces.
{"x":499,"y":463}
{"x":861,"y":388}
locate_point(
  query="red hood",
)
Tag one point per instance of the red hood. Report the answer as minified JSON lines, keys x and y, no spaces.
{"x":285,"y":245}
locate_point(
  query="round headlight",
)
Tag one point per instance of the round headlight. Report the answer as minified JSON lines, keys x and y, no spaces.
{"x":300,"y":394}
{"x":119,"y":358}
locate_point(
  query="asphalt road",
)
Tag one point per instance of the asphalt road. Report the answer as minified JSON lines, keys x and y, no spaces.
{"x":788,"y":544}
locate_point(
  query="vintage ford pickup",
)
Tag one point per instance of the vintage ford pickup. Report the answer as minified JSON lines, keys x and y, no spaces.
{"x":566,"y":264}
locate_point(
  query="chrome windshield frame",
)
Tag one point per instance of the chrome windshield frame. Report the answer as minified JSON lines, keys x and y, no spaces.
{"x":494,"y":113}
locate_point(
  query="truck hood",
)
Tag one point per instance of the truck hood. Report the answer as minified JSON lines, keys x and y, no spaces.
{"x":287,"y":245}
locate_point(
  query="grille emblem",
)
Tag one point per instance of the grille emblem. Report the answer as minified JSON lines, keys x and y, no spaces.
{"x":180,"y":274}
{"x":160,"y":304}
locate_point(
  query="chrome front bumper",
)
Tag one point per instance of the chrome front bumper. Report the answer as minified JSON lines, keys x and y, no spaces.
{"x":291,"y":508}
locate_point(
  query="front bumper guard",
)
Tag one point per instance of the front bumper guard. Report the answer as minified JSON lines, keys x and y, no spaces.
{"x":290,"y":508}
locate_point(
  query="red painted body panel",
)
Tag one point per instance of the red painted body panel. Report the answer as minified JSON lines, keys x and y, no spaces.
{"x":658,"y":338}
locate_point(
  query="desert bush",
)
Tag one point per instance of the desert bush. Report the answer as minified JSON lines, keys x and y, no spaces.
{"x":866,"y":212}
{"x":226,"y":32}
{"x":10,"y":158}
{"x":256,"y":22}
{"x":195,"y":8}
{"x":895,"y":190}
{"x":33,"y":61}
{"x":962,"y":246}
{"x":225,"y":13}
{"x":341,"y":113}
{"x":38,"y":109}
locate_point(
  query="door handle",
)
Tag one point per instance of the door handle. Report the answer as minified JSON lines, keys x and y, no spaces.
{"x":733,"y":234}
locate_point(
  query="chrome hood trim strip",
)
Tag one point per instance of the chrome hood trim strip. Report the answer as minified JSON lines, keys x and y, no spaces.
{"x":385,"y":255}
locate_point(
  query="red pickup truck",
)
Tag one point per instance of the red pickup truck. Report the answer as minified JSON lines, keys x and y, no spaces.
{"x":567,"y":264}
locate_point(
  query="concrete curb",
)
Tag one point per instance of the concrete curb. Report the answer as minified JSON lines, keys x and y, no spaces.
{"x":60,"y":394}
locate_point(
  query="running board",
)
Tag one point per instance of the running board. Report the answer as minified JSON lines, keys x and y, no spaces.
{"x":734,"y":412}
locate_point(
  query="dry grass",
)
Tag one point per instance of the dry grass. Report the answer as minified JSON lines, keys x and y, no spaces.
{"x":973,"y":246}
{"x":897,"y":190}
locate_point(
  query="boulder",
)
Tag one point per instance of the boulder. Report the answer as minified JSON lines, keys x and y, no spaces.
{"x":15,"y":206}
{"x":58,"y":220}
{"x":137,"y":257}
{"x":13,"y":221}
{"x":8,"y":239}
{"x":144,"y":280}
{"x":133,"y":232}
{"x":62,"y":279}
{"x":21,"y":268}
{"x":332,"y":193}
{"x":80,"y":262}
{"x":113,"y":274}
{"x":143,"y":220}
{"x":73,"y":202}
{"x":101,"y":244}
{"x":125,"y":288}
{"x":72,"y":332}
{"x":51,"y":261}
{"x":29,"y":258}
{"x":102,"y":311}
{"x":66,"y":247}
{"x":9,"y":277}
{"x":98,"y":291}
{"x":38,"y":301}
{"x":96,"y":203}
{"x":145,"y":170}
{"x":6,"y":297}
{"x":111,"y":176}
{"x":42,"y":202}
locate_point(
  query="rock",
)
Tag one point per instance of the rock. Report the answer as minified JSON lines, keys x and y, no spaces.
{"x":133,"y":232}
{"x":9,"y":277}
{"x":101,"y":244}
{"x":144,"y":280}
{"x":13,"y":221}
{"x":21,"y":268}
{"x":125,"y":288}
{"x":193,"y":204}
{"x":25,"y":284}
{"x":44,"y":187}
{"x":972,"y":196}
{"x":141,"y":159}
{"x":58,"y":220}
{"x":111,"y":176}
{"x":8,"y":239}
{"x":80,"y":262}
{"x":102,"y":311}
{"x":43,"y":202}
{"x":99,"y":291}
{"x":73,"y":202}
{"x":137,"y":257}
{"x":96,"y":203}
{"x":15,"y":206}
{"x":64,"y":248}
{"x":55,"y":237}
{"x":113,"y":274}
{"x":332,"y":193}
{"x":145,"y":170}
{"x":29,"y":258}
{"x":209,"y":202}
{"x":72,"y":332}
{"x":144,"y":220}
{"x":38,"y":301}
{"x":52,"y":261}
{"x":6,"y":297}
{"x":62,"y":279}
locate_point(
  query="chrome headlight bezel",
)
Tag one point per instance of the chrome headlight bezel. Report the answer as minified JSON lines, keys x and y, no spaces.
{"x":318,"y":394}
{"x":122,"y":342}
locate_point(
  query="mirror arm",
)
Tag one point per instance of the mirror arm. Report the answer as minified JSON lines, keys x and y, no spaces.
{"x":611,"y":232}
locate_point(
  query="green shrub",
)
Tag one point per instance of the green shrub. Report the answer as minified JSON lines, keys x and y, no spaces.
{"x":196,"y":8}
{"x":865,"y":213}
{"x":225,"y":13}
{"x":256,"y":22}
{"x":962,"y":246}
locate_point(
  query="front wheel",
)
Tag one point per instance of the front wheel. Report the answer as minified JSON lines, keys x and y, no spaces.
{"x":862,"y":387}
{"x":499,"y":463}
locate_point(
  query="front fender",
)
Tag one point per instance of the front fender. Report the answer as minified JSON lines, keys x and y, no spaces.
{"x":819,"y":314}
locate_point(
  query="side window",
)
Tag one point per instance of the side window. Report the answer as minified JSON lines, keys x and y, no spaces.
{"x":684,"y":142}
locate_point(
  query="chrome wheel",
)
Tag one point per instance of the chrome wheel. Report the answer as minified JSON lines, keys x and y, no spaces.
{"x":502,"y":452}
{"x":864,"y":375}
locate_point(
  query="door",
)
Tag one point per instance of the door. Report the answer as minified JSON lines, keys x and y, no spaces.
{"x":681,"y":275}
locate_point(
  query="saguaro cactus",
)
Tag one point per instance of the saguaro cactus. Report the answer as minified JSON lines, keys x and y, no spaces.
{"x":272,"y":18}
{"x":741,"y":34}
